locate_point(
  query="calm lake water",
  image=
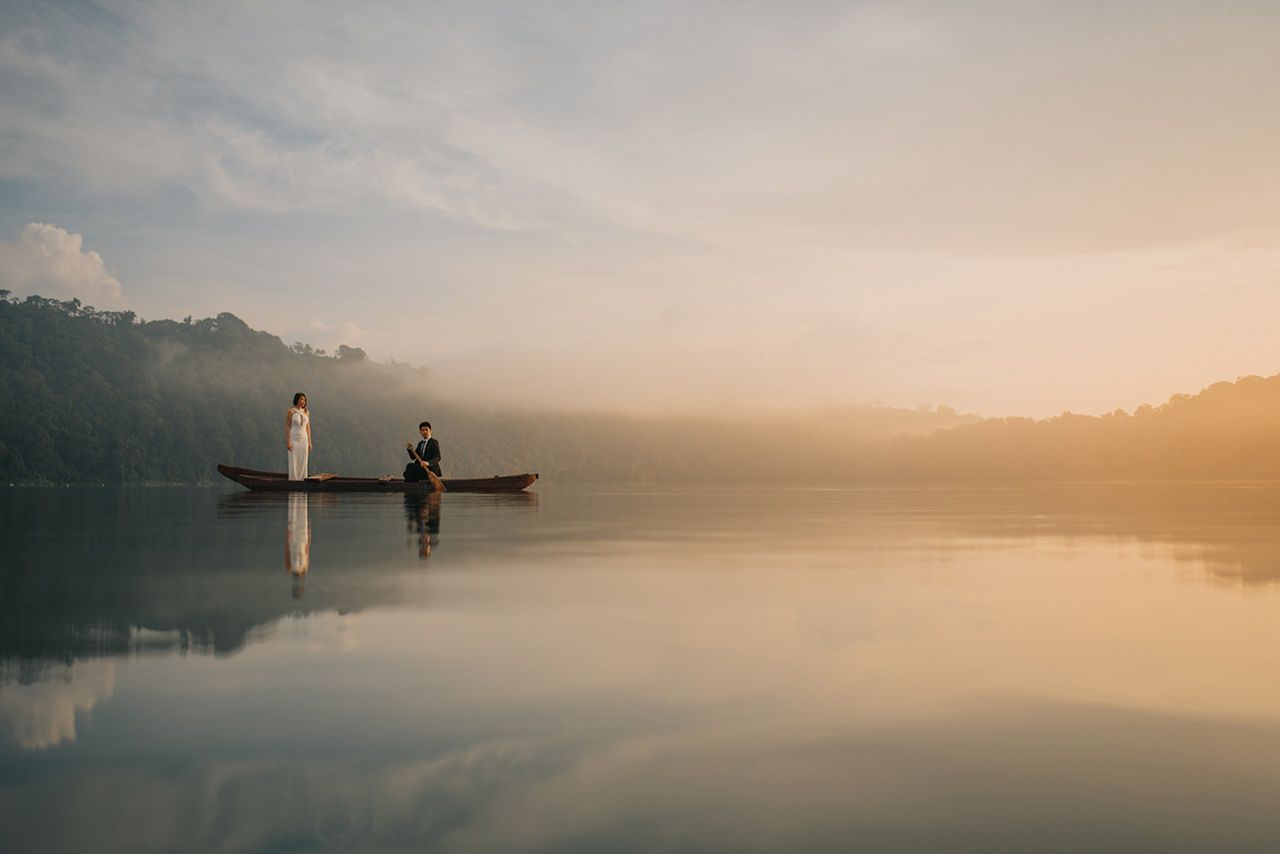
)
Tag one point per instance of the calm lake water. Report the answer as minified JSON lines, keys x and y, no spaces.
{"x":1072,"y":668}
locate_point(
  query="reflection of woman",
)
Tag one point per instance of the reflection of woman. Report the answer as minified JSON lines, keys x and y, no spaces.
{"x":297,"y":436}
{"x":297,"y":536}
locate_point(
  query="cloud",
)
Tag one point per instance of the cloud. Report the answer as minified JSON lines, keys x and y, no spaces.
{"x":44,"y":714}
{"x":328,"y":336}
{"x":251,"y":113}
{"x":872,"y":124}
{"x":52,"y":262}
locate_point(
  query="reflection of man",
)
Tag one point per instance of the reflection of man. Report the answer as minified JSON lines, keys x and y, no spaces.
{"x":423,"y":514}
{"x":425,"y":457}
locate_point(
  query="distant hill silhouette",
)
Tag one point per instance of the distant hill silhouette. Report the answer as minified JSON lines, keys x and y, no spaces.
{"x":1230,"y":430}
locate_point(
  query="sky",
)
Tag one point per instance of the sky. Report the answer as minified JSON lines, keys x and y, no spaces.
{"x":1006,"y":207}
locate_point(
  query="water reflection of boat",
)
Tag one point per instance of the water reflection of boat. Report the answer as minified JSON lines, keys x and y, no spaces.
{"x":261,"y":505}
{"x":274,"y":481}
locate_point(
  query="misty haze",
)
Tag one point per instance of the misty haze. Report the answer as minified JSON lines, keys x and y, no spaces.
{"x":589,"y":427}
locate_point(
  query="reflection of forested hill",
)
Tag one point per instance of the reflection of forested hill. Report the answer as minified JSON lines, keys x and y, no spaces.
{"x":1230,"y":530}
{"x":94,"y":573}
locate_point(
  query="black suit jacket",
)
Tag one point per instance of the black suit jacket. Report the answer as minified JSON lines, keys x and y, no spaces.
{"x":430,"y":453}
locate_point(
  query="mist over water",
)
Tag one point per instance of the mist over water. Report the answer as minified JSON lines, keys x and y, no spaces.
{"x":968,"y":668}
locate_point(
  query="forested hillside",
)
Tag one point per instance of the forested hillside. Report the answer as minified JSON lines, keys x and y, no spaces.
{"x":102,"y":397}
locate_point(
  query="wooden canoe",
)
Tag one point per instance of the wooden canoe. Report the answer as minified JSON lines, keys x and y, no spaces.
{"x":274,"y":481}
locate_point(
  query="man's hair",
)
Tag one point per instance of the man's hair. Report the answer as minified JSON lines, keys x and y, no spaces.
{"x":426,"y":424}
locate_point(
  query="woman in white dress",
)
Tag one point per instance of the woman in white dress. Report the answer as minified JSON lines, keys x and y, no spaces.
{"x":297,"y":436}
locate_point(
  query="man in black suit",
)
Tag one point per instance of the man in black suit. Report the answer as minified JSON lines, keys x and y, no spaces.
{"x":425,"y":458}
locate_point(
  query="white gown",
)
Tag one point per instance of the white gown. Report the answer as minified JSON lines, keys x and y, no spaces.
{"x":298,"y":421}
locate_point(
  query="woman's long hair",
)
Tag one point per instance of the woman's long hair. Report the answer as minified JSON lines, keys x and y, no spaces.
{"x":297,"y":397}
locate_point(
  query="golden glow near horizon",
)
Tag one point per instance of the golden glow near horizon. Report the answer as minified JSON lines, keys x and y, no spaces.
{"x":1003,"y":207}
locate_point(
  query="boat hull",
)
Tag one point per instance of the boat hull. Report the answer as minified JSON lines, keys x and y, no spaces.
{"x":272,"y":481}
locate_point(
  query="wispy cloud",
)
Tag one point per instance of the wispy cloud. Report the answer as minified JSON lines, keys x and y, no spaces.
{"x":874,"y":124}
{"x":328,"y":336}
